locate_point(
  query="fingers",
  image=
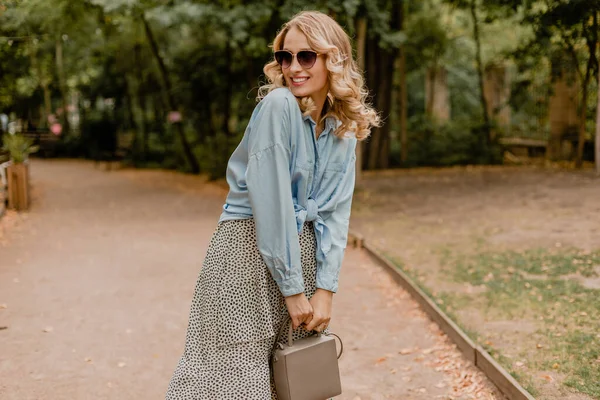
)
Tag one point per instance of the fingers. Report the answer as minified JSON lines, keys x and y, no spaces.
{"x":300,"y":309}
{"x":318,"y":323}
{"x":298,"y":320}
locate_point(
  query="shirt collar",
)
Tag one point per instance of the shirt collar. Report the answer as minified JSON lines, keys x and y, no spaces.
{"x":330,"y":122}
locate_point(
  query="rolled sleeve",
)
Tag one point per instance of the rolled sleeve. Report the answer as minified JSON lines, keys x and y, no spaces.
{"x":269,"y":189}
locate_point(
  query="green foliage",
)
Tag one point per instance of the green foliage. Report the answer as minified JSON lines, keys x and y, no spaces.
{"x":454,"y":143}
{"x":18,"y":147}
{"x":214,"y":51}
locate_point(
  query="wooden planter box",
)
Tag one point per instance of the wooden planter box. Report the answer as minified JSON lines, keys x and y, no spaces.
{"x":18,"y":186}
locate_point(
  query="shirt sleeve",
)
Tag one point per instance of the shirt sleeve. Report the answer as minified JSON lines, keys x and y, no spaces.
{"x":268,"y":182}
{"x":337,"y":220}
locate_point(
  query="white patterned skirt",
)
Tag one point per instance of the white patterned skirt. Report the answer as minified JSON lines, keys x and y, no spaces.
{"x":236,"y":312}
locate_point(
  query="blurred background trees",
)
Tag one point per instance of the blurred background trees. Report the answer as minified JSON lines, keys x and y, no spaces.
{"x":172,"y":83}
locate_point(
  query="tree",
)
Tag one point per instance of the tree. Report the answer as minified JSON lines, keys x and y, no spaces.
{"x":382,"y":50}
{"x":565,"y":27}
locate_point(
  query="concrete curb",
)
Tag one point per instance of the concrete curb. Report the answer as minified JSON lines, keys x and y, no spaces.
{"x":472,"y":351}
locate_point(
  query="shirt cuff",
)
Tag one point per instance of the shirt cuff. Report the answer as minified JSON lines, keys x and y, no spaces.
{"x":327,"y":282}
{"x":291,"y":286}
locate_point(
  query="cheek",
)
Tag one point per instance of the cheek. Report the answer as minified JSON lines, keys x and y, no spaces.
{"x":321,"y":76}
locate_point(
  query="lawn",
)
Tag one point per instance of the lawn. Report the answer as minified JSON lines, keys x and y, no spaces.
{"x":511,"y":253}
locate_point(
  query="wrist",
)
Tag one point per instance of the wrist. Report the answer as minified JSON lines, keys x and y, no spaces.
{"x":324,"y":292}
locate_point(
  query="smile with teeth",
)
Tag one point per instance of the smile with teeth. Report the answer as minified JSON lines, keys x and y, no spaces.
{"x":299,"y":80}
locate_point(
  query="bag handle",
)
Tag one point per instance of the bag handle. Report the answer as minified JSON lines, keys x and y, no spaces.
{"x":290,"y":340}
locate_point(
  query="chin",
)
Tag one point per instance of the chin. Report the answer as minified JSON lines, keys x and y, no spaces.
{"x":301,"y":92}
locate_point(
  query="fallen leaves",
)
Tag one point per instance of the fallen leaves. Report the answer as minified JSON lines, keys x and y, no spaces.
{"x":48,"y":329}
{"x":463,"y":379}
{"x":380,"y":360}
{"x":407,"y":351}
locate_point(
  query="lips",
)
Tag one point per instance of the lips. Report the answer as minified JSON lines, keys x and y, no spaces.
{"x":299,"y":80}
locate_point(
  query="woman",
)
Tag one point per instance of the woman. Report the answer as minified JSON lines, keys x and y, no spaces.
{"x":279,"y":244}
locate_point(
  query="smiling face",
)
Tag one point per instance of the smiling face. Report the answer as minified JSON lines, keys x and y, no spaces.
{"x":312,"y":82}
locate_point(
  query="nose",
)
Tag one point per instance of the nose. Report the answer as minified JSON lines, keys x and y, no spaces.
{"x":295,"y":66}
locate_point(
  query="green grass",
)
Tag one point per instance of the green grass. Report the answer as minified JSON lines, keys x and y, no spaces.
{"x":537,"y":286}
{"x":533,"y":285}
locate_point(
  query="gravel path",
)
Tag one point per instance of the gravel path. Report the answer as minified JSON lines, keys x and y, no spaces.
{"x":96,"y":282}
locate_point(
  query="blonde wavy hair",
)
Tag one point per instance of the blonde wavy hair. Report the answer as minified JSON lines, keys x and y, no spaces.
{"x":347,"y":97}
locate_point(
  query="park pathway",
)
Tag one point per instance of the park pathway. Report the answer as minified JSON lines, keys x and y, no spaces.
{"x":96,"y":282}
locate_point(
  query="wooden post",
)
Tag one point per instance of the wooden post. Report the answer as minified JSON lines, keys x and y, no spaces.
{"x":18,"y":186}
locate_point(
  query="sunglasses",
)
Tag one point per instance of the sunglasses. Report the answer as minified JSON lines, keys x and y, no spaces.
{"x":306,"y":58}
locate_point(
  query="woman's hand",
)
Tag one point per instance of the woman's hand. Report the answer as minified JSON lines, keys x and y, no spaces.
{"x":299,"y":309}
{"x":321,"y":305}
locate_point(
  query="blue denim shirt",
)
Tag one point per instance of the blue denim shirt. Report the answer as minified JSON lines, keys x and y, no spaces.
{"x":282,"y":176}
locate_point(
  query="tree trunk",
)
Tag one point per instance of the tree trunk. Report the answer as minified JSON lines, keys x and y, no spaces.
{"x":60,"y":70}
{"x":591,"y":42}
{"x":374,"y":58}
{"x":47,"y":109}
{"x":381,"y":68}
{"x":129,"y":101}
{"x":47,"y":100}
{"x":597,"y":152}
{"x":582,"y":115}
{"x":403,"y":98}
{"x":361,"y":37}
{"x":385,"y":105}
{"x":228,"y":92}
{"x":141,"y":137}
{"x":477,"y":38}
{"x":171,"y":101}
{"x":159,"y":116}
{"x":430,"y":98}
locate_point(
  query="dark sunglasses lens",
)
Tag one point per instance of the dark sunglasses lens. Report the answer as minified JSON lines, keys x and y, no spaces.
{"x":306,"y":58}
{"x":283,"y":58}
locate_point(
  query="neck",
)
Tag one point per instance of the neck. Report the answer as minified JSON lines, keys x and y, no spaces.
{"x":319,"y":100}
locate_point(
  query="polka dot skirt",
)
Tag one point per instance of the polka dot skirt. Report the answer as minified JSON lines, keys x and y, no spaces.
{"x":237,"y":310}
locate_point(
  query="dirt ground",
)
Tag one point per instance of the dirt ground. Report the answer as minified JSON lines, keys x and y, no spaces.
{"x":96,"y":282}
{"x":417,"y":215}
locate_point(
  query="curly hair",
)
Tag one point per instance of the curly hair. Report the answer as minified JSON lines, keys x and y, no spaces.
{"x":347,"y":97}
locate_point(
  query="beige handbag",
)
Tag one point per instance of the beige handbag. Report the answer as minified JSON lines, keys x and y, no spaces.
{"x":307,"y":369}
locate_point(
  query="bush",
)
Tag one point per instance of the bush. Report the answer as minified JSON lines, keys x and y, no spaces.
{"x":459,"y":142}
{"x":214,"y":154}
